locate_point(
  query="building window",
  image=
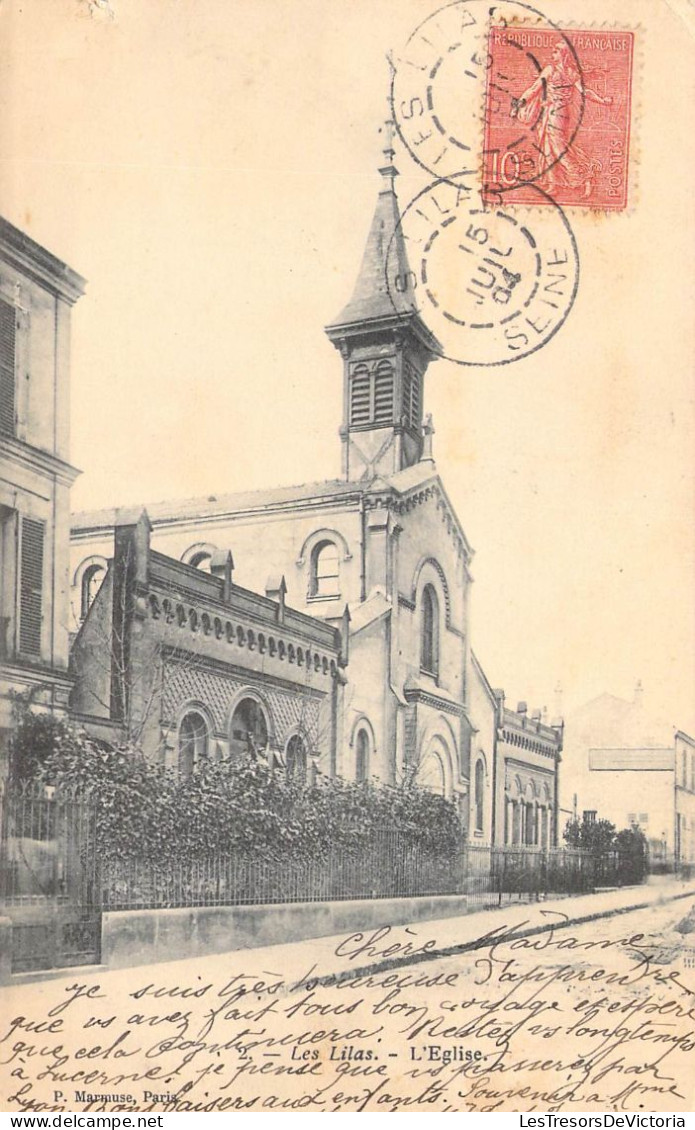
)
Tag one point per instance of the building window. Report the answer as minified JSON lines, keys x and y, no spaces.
{"x":31,"y":587}
{"x":201,"y":561}
{"x":8,"y":562}
{"x":249,"y":729}
{"x":371,"y":395}
{"x":479,"y":795}
{"x":199,"y":556}
{"x":429,"y":657}
{"x":589,"y":816}
{"x":296,"y":759}
{"x":8,"y":419}
{"x":325,"y":570}
{"x":193,"y":742}
{"x":362,"y":756}
{"x":91,"y":583}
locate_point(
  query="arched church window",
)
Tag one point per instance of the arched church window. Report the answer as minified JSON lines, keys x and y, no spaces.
{"x":201,"y":561}
{"x":91,"y":583}
{"x":325,"y":570}
{"x":249,"y":730}
{"x":479,"y":794}
{"x":429,"y":655}
{"x":193,"y":742}
{"x":362,"y":755}
{"x":295,"y":759}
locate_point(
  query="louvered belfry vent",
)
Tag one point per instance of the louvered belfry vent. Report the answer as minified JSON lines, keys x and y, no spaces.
{"x":7,"y":369}
{"x":31,"y":576}
{"x":360,"y":396}
{"x":371,"y":394}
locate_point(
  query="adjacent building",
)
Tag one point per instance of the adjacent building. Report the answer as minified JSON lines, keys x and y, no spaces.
{"x":37,"y":292}
{"x":624,"y":766}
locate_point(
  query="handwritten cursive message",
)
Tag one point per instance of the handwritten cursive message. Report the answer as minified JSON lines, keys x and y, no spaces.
{"x":599,"y":1017}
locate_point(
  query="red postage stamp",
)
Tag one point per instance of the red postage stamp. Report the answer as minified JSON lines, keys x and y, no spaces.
{"x":557,"y":116}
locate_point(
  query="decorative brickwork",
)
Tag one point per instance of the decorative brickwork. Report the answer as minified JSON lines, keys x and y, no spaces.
{"x":188,"y":682}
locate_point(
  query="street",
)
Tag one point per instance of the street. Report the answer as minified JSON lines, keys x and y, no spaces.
{"x":457,"y":1015}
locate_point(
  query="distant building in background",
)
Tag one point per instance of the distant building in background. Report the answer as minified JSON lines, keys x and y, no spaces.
{"x":37,"y":292}
{"x":636,"y":771}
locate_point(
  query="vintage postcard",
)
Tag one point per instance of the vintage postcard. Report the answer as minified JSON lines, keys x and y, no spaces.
{"x":347,"y":618}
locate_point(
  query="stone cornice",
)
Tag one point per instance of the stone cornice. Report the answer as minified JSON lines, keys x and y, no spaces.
{"x":33,"y":260}
{"x":34,"y":459}
{"x":430,"y":698}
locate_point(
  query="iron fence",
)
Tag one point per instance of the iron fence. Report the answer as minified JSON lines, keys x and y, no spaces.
{"x":502,"y":874}
{"x":49,"y":876}
{"x":387,"y":867}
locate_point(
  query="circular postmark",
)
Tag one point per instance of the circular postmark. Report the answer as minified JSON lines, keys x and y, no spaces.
{"x":452,"y":82}
{"x":492,"y":286}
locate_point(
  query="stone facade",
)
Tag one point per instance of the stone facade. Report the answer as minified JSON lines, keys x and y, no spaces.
{"x":190,"y":665}
{"x":528,"y":764}
{"x":37,"y":292}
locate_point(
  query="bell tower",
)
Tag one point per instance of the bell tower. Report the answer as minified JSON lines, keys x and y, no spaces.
{"x":385,"y":346}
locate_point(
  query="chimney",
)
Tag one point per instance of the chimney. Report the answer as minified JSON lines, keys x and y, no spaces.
{"x":276,"y":589}
{"x":222,"y":566}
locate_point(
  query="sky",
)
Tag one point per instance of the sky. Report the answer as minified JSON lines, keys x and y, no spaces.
{"x":210,"y":168}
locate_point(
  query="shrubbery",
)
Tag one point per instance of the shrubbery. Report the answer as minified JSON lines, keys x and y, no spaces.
{"x":148,"y":813}
{"x":599,"y":837}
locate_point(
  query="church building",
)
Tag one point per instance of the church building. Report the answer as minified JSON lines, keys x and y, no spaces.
{"x":378,"y":556}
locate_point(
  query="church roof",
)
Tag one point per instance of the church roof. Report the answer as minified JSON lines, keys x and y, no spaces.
{"x":276,"y":499}
{"x":384,"y":292}
{"x":372,"y":298}
{"x":215,"y":504}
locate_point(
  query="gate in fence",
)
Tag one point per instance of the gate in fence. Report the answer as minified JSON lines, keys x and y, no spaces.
{"x":48,"y":877}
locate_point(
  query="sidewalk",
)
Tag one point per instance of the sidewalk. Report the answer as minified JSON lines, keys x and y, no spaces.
{"x":388,"y":946}
{"x":459,"y":934}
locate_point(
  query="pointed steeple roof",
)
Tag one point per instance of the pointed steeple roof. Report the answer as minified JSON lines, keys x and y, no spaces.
{"x":384,"y":287}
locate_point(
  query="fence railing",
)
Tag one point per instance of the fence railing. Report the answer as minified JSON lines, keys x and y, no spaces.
{"x":47,"y":846}
{"x":388,"y":867}
{"x":494,"y":874}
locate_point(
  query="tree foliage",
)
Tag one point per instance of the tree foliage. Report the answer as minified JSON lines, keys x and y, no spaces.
{"x":598,"y":837}
{"x":148,"y":813}
{"x":590,"y":835}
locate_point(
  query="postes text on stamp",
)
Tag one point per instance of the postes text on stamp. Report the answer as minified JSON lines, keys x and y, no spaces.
{"x":557,"y":116}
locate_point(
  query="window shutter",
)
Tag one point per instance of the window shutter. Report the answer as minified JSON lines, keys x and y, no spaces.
{"x":31,"y":585}
{"x":360,"y":409}
{"x":7,"y":369}
{"x":383,"y":393}
{"x":411,"y":395}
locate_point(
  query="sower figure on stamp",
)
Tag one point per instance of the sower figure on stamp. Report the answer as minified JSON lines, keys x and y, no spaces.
{"x":550,"y":106}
